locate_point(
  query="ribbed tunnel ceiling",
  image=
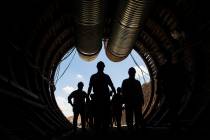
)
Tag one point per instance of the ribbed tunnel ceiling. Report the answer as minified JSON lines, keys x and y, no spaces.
{"x":38,"y":34}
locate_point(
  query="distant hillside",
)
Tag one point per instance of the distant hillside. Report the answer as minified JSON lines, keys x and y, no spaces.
{"x":70,"y":118}
{"x":146,"y":87}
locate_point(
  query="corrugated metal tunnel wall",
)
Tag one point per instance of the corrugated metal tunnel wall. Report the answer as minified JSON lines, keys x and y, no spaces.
{"x":36,"y":35}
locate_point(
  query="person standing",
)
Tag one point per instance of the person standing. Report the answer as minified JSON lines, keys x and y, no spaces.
{"x":117,"y":102}
{"x":79,"y":98}
{"x":134,"y":100}
{"x":100,"y":83}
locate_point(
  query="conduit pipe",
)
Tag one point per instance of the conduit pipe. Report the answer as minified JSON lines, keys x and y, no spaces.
{"x":125,"y":30}
{"x":89,"y":27}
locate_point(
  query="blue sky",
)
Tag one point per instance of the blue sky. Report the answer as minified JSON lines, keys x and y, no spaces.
{"x":81,"y":70}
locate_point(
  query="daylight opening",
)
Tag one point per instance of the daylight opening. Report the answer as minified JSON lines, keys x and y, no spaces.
{"x":72,"y":70}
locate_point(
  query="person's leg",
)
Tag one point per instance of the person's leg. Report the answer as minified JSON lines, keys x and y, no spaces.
{"x":83,"y":119}
{"x":90,"y":120}
{"x":76,"y":114}
{"x":97,"y":118}
{"x":138,"y":117}
{"x":129,"y":117}
{"x":118,"y":118}
{"x":105,"y":116}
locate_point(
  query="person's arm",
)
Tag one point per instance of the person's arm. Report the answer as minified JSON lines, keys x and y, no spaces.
{"x":123,"y":88}
{"x":123,"y":91}
{"x":87,"y":97}
{"x":90,"y":86}
{"x":70,"y":98}
{"x":111,"y":85}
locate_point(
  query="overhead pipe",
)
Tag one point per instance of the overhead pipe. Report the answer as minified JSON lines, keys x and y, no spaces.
{"x":89,"y":28}
{"x":125,"y":30}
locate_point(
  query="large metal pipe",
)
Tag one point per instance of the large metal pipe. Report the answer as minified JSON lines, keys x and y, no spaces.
{"x":89,"y":27}
{"x":125,"y":30}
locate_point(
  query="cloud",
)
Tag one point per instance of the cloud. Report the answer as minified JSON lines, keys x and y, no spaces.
{"x":79,"y":76}
{"x":68,"y":89}
{"x":64,"y":106}
{"x":139,"y":72}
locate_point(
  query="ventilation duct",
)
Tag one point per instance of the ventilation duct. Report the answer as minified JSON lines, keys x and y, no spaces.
{"x":89,"y":27}
{"x":125,"y":29}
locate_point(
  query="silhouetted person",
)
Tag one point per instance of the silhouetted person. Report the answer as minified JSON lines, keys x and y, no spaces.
{"x":79,"y":96}
{"x":134,"y":100}
{"x":100,"y":83}
{"x":91,"y":111}
{"x":117,"y":102}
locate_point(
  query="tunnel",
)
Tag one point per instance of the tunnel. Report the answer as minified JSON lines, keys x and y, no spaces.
{"x":37,"y":34}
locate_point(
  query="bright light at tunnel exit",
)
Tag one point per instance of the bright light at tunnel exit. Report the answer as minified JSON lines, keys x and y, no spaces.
{"x":80,"y":70}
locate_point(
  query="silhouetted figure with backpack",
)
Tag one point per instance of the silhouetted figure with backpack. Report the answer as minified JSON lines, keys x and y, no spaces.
{"x":117,"y":102}
{"x":134,"y":100}
{"x":79,"y":97}
{"x":100,"y":83}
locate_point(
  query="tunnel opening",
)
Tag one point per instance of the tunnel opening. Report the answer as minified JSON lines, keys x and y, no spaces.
{"x":35,"y":44}
{"x":73,"y":69}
